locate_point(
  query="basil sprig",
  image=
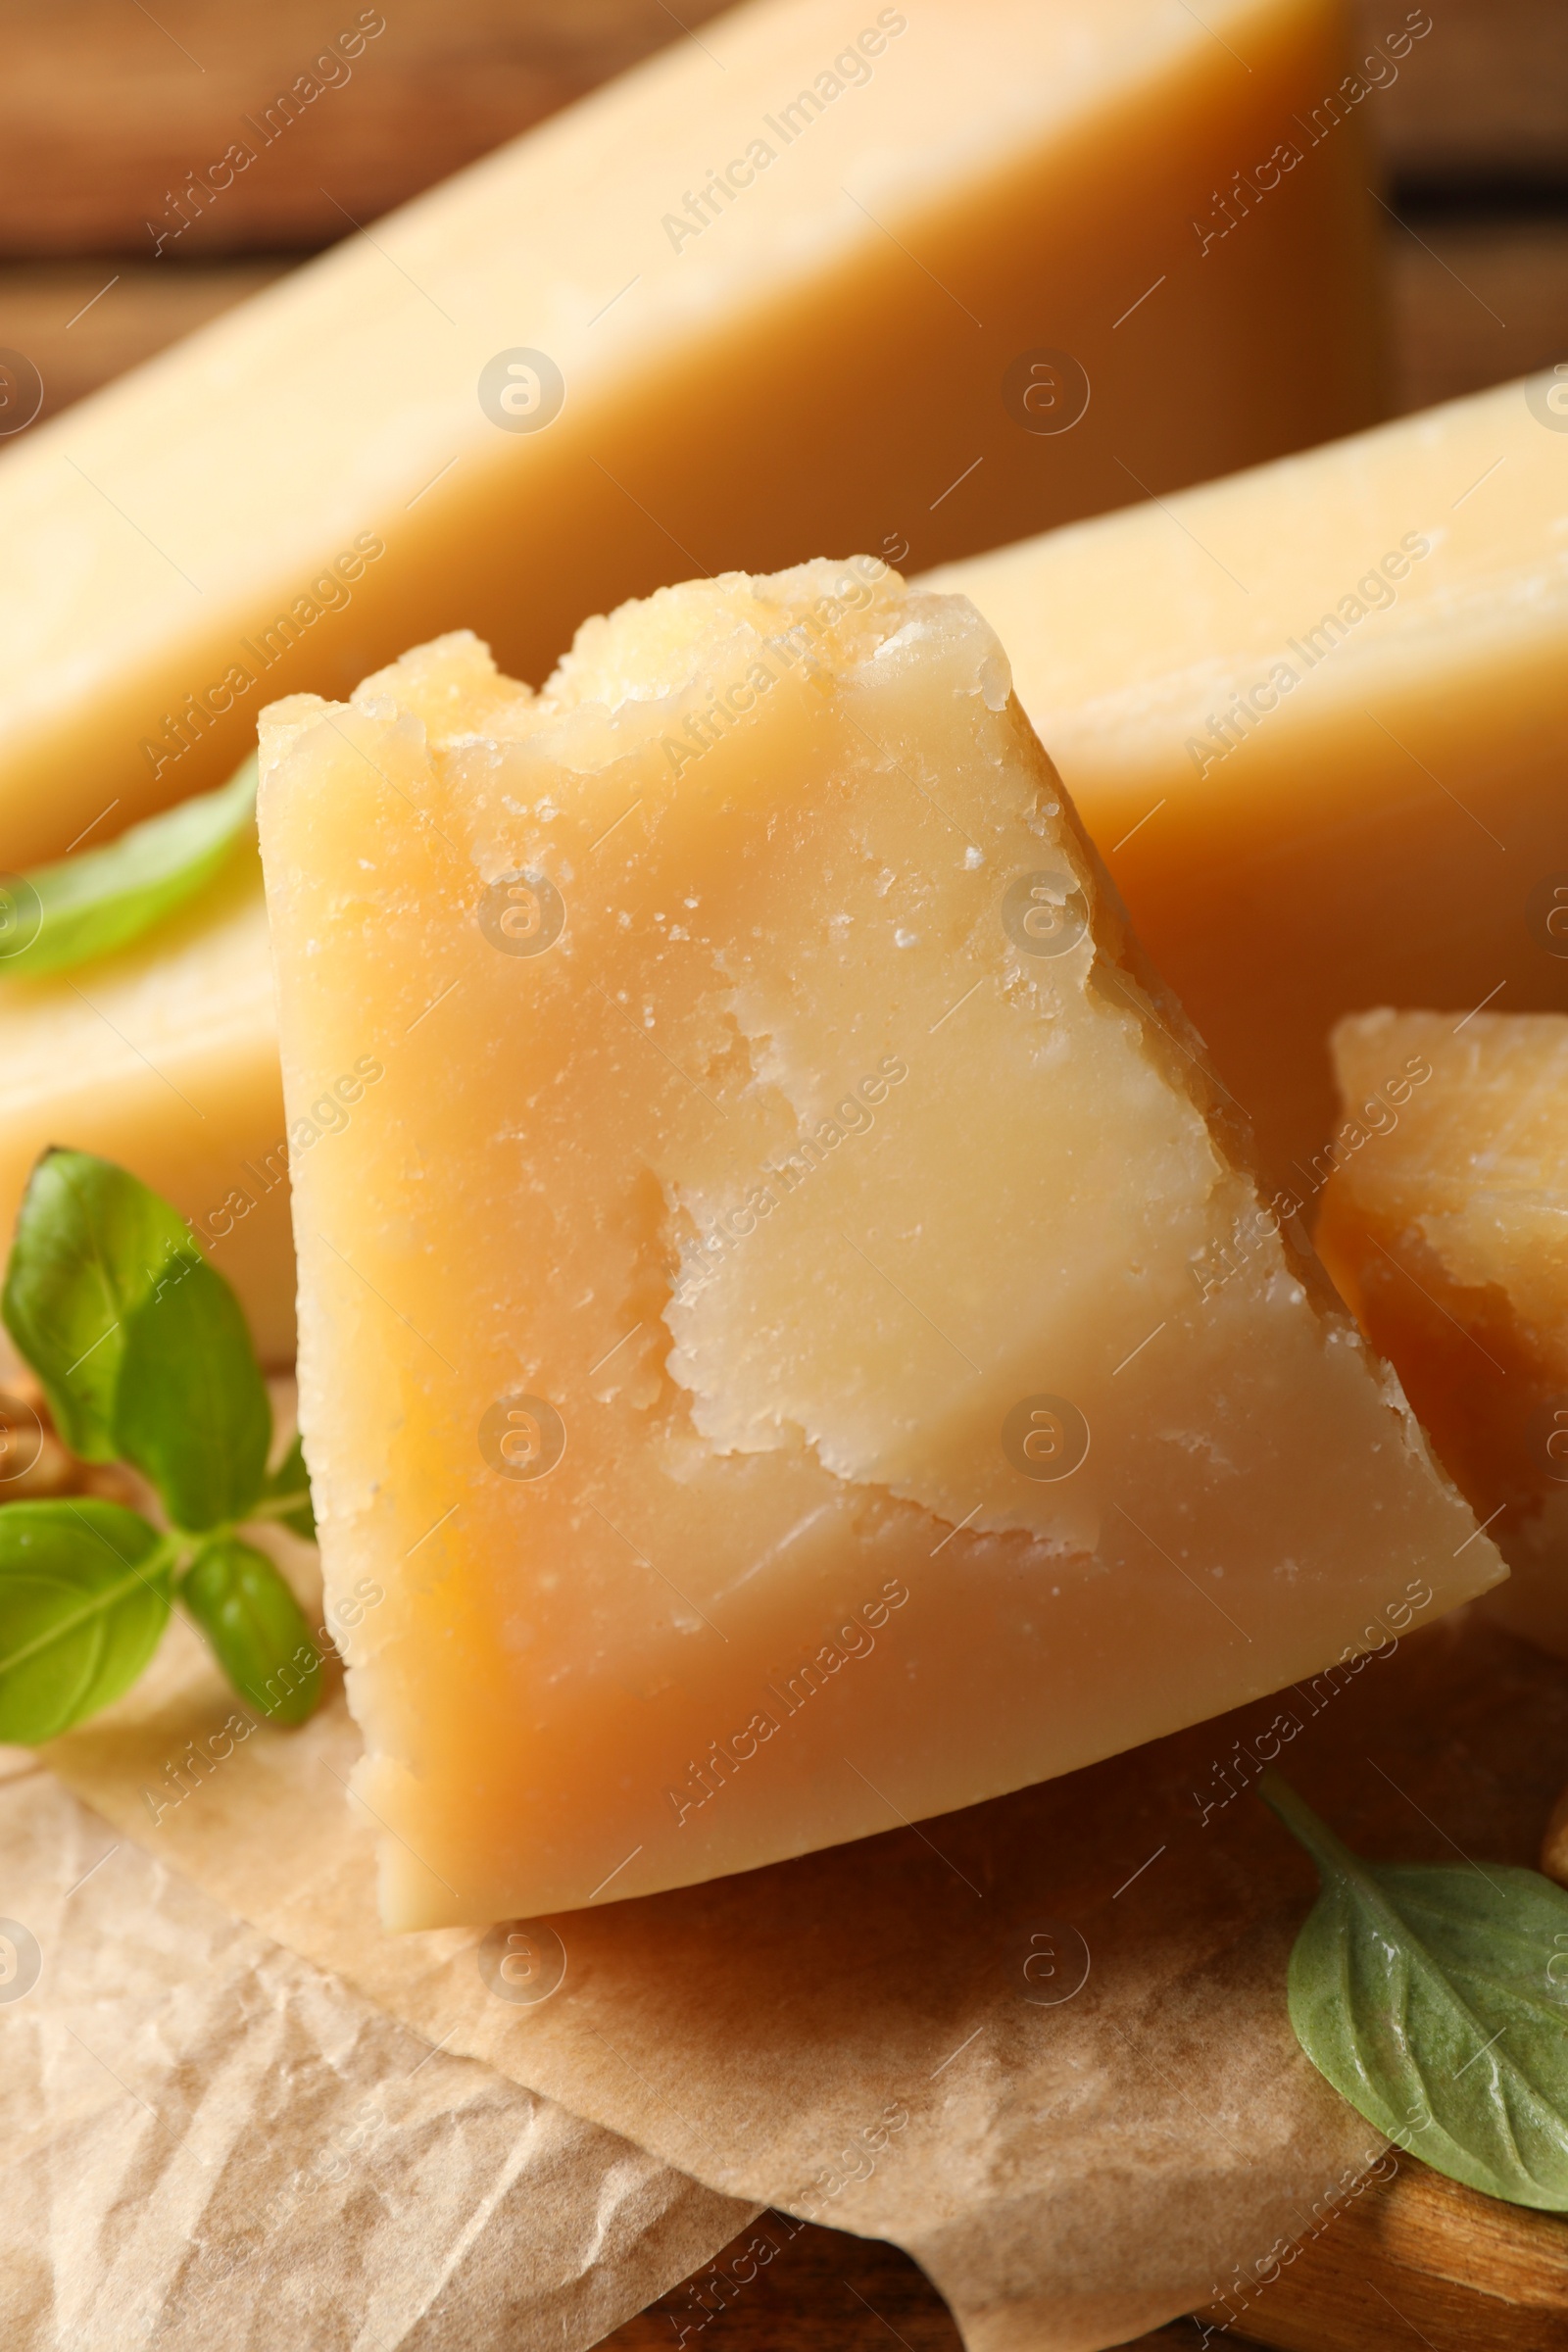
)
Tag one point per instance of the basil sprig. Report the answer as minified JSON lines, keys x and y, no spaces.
{"x":144,"y":1357}
{"x":1434,"y":1996}
{"x":81,"y":907}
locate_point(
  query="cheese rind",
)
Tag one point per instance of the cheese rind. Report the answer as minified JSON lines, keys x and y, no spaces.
{"x":1376,"y":824}
{"x":790,"y":1335}
{"x":1445,"y":1225}
{"x":588,"y":363}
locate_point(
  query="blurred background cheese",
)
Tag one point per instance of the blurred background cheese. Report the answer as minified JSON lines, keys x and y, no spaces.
{"x":165,"y":1055}
{"x":1444,"y":1224}
{"x":844,"y":341}
{"x":787,"y":1329}
{"x":1315,"y":718}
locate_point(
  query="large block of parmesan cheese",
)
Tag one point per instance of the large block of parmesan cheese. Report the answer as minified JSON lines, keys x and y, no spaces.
{"x":790,"y":1331}
{"x":1445,"y":1223}
{"x":825,"y":276}
{"x":1314,"y":719}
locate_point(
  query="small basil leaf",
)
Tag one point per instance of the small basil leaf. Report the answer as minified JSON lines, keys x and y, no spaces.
{"x":87,"y":906}
{"x":191,"y":1409}
{"x":1435,"y":1998}
{"x":257,"y":1628}
{"x":291,"y":1480}
{"x":83,"y":1598}
{"x":90,"y":1244}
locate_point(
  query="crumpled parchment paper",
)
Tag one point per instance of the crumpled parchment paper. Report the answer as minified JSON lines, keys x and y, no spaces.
{"x":209,"y":2145}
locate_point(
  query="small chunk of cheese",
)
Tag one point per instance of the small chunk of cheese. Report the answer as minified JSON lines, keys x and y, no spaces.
{"x":789,"y":1333}
{"x":1445,"y":1225}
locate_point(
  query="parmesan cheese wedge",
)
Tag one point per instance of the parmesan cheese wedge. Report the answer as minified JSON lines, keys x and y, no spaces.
{"x":1445,"y":1223}
{"x":825,"y":276}
{"x":790,"y":1332}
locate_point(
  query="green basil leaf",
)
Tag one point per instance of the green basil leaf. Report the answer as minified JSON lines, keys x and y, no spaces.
{"x":191,"y":1409}
{"x":255,"y":1626}
{"x":87,"y":906}
{"x":290,"y":1482}
{"x":91,"y":1242}
{"x":83,"y":1598}
{"x":1435,"y":1998}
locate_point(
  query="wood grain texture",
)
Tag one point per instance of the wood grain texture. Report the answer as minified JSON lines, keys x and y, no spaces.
{"x":1474,"y":301}
{"x":107,"y":108}
{"x":1483,"y":98}
{"x":819,"y":2291}
{"x":1421,"y":2260}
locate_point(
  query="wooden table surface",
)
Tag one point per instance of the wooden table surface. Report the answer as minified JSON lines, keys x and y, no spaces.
{"x":1395,"y":2267}
{"x":106,"y":107}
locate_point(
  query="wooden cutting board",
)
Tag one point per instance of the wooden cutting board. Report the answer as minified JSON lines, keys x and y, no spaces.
{"x":1413,"y":2261}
